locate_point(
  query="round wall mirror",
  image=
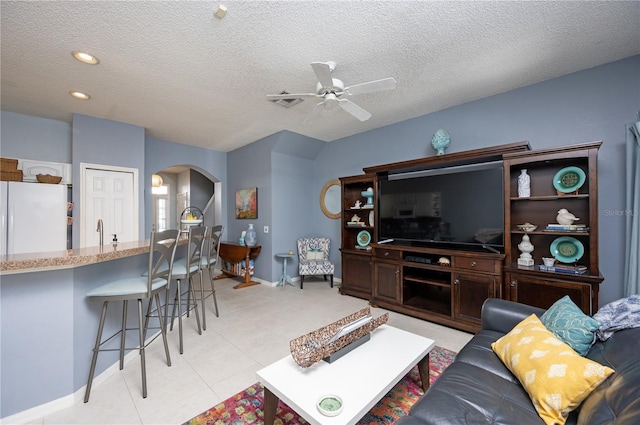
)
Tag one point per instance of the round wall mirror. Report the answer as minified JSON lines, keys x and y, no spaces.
{"x":330,"y":199}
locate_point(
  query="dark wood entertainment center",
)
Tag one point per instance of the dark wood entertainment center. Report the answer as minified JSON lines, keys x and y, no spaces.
{"x":448,"y":285}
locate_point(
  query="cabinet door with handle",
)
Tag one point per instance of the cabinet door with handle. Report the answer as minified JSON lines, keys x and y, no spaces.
{"x":386,"y":277}
{"x":544,"y":292}
{"x":469,"y":293}
{"x":356,"y":275}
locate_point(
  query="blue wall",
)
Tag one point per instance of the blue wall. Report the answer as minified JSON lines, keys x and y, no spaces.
{"x":293,"y":207}
{"x":250,"y":166}
{"x":27,"y":137}
{"x":37,"y":370}
{"x":159,"y":155}
{"x":281,"y":167}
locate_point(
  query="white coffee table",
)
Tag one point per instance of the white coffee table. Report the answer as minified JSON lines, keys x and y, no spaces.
{"x":360,"y":378}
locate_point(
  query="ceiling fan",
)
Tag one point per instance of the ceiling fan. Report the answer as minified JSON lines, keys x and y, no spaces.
{"x":331,"y":91}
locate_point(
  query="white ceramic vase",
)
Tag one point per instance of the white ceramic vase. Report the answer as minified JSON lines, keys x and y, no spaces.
{"x":250,"y":237}
{"x":524,"y":184}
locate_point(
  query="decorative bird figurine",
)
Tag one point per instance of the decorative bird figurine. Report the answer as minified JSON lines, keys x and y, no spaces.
{"x":565,"y":217}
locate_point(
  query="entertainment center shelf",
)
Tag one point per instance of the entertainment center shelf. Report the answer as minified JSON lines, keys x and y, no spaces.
{"x":447,"y":286}
{"x":529,"y":283}
{"x":438,"y":279}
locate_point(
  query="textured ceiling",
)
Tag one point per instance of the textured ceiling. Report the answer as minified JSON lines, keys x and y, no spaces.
{"x":188,"y":77}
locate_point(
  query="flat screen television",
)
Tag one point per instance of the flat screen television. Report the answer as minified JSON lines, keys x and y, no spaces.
{"x":457,"y":207}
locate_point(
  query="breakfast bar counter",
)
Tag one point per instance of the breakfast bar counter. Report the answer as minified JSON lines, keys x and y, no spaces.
{"x":42,"y":261}
{"x":48,"y":325}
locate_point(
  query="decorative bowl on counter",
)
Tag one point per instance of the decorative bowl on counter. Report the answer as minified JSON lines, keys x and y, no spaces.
{"x":526,"y":227}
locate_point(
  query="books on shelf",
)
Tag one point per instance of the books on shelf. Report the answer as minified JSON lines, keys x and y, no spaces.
{"x":564,"y":268}
{"x":554,"y":227}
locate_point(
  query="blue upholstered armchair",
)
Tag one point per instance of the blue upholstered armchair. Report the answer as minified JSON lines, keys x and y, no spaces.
{"x":313,"y":259}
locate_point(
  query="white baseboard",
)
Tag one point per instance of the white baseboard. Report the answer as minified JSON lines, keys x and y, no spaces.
{"x":37,"y":413}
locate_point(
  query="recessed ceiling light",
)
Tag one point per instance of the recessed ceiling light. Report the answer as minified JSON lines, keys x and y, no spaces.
{"x":80,"y":95}
{"x":85,"y":57}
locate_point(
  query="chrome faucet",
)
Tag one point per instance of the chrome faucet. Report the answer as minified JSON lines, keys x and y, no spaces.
{"x":100,"y":229}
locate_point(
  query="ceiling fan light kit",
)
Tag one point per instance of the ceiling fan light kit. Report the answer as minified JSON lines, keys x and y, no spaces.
{"x":331,"y":89}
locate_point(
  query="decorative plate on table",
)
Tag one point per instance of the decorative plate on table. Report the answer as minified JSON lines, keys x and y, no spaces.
{"x":363,"y":238}
{"x":569,"y":179}
{"x":567,"y":249}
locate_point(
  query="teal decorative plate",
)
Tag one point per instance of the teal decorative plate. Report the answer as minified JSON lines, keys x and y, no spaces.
{"x":569,"y":179}
{"x":363,"y":238}
{"x":567,"y":249}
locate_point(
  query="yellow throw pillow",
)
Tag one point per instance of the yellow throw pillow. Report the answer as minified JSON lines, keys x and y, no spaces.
{"x":556,"y":378}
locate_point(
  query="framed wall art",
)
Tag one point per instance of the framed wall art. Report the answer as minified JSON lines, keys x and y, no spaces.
{"x":247,"y":203}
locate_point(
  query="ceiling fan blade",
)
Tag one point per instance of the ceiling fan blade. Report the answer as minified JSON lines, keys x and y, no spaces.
{"x":372,"y":86}
{"x":314,"y":113}
{"x":290,"y":96}
{"x":354,"y":109}
{"x":323,"y":73}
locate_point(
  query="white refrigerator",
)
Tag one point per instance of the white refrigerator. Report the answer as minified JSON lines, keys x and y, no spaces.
{"x":33,"y":217}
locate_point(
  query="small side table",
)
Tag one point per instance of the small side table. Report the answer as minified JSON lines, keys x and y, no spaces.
{"x":285,"y":277}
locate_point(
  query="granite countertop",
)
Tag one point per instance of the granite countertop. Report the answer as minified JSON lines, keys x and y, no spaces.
{"x":42,"y":261}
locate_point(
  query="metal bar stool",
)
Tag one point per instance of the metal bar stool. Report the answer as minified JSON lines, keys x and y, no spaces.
{"x":208,"y":263}
{"x":184,"y":269}
{"x":162,"y":251}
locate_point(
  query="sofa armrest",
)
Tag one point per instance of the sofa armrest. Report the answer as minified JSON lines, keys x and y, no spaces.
{"x":502,"y":315}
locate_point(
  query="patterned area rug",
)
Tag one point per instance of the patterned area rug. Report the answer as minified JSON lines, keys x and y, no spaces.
{"x":246,"y":406}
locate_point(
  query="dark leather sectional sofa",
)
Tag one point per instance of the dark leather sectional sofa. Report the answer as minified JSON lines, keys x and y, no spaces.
{"x":478,"y":389}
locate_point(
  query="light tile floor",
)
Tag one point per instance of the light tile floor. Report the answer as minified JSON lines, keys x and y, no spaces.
{"x":254,"y":329}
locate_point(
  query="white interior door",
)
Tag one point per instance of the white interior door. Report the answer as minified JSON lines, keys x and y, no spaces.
{"x":109,"y":195}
